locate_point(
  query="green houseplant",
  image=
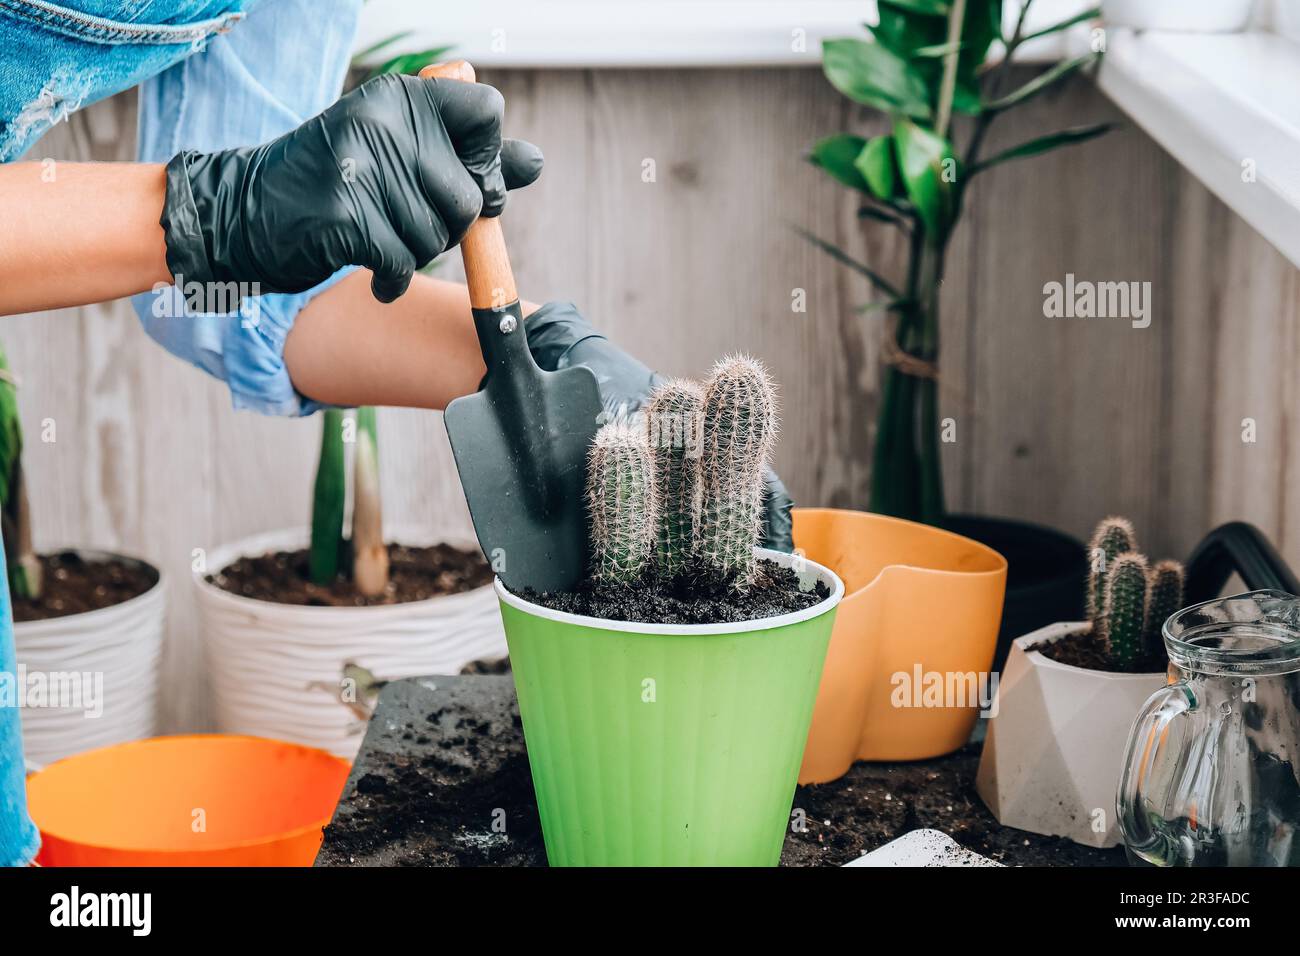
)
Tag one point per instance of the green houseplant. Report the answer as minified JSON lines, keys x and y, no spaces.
{"x":76,"y":612}
{"x":926,"y":63}
{"x":673,"y":743}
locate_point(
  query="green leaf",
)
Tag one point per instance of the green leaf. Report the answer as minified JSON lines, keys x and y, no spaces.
{"x":1042,"y":82}
{"x":881,"y":215}
{"x":1063,"y":25}
{"x":929,"y":8}
{"x":938,"y":50}
{"x":11,"y":434}
{"x":928,"y":167}
{"x":327,"y":501}
{"x":878,"y":167}
{"x":838,"y":254}
{"x":365,"y":54}
{"x":870,"y":74}
{"x":410,"y":62}
{"x":837,"y":155}
{"x":902,"y":31}
{"x":1043,"y":144}
{"x":923,"y":42}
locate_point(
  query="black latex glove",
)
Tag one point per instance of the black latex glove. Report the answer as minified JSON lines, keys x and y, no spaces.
{"x":388,"y":177}
{"x":559,"y":338}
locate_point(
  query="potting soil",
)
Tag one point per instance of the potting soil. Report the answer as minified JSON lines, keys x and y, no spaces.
{"x":415,"y":574}
{"x":73,"y":585}
{"x":695,"y":596}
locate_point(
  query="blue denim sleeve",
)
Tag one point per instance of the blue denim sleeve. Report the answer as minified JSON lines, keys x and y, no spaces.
{"x":19,"y":839}
{"x":284,"y":63}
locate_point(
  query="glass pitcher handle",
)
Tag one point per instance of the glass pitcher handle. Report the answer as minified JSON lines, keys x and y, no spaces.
{"x":1145,"y":743}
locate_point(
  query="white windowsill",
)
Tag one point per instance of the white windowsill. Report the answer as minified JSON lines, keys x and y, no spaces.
{"x":1211,"y":100}
{"x":642,"y":33}
{"x":1215,"y":102}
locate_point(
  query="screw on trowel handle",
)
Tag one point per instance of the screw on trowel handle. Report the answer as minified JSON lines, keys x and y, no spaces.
{"x":487,"y":264}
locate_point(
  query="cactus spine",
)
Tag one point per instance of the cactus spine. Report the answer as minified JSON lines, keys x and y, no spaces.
{"x":1124,"y":619}
{"x":673,"y":421}
{"x":1128,"y":602}
{"x":621,"y":501}
{"x":1166,"y":598}
{"x":739,"y":422}
{"x":1113,"y":537}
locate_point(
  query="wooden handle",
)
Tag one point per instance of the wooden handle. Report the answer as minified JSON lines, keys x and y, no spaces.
{"x":487,"y":264}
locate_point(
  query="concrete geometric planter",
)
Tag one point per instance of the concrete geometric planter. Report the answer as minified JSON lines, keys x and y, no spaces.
{"x":1052,"y":758}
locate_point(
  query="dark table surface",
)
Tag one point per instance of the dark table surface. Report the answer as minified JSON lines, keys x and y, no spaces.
{"x":442,"y":780}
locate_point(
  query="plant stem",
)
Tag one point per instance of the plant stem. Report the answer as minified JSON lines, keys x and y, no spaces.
{"x":948,"y":85}
{"x":327,"y":501}
{"x":369,"y":553}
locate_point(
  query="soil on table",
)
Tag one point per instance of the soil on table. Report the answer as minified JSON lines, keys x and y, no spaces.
{"x":695,"y":596}
{"x":1086,"y":651}
{"x":72,"y":585}
{"x":442,"y":779}
{"x":414,"y":574}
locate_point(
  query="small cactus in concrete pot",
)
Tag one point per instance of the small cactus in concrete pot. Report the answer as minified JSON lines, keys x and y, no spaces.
{"x":1113,"y":537}
{"x":740,"y":413}
{"x":621,"y":501}
{"x":1128,"y":601}
{"x":673,"y":420}
{"x":1123,"y":622}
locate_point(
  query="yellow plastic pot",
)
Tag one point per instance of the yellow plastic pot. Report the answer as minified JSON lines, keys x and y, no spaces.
{"x":921,"y":606}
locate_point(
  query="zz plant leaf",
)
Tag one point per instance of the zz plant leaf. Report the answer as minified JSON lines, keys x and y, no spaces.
{"x":872,"y":75}
{"x":929,"y":170}
{"x":838,"y":155}
{"x":879,"y":167}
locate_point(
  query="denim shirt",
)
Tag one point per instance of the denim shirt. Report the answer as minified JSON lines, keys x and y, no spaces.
{"x":216,"y":74}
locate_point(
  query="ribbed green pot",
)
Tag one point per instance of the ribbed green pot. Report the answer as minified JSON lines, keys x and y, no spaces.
{"x":666,"y":745}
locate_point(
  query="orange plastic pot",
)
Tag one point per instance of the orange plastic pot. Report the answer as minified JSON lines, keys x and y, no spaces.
{"x":202,"y":800}
{"x":921,"y":610}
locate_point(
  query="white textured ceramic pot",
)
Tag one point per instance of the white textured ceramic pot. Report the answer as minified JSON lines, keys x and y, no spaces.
{"x":1186,"y":16}
{"x":91,"y":680}
{"x":277,"y":669}
{"x":1051,"y":760}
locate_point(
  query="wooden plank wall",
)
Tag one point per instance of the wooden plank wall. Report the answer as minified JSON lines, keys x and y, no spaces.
{"x":1059,"y":421}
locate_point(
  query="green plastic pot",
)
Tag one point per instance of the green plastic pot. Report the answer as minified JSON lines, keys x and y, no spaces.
{"x":663,"y":744}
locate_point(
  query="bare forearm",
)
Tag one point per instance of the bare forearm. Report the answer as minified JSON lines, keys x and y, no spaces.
{"x":346,"y":348}
{"x":77,"y":233}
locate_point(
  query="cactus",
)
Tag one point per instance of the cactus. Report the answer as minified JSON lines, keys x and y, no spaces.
{"x":673,"y":422}
{"x":1124,"y":618}
{"x":621,"y":501}
{"x":1165,"y":590}
{"x":739,"y":419}
{"x":1112,"y":538}
{"x":1127,"y":601}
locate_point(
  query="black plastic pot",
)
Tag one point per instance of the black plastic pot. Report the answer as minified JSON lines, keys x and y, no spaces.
{"x":1047,"y":572}
{"x":1240,"y":548}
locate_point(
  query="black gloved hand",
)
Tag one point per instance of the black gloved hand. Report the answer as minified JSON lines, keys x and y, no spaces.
{"x":559,"y":338}
{"x":388,"y":177}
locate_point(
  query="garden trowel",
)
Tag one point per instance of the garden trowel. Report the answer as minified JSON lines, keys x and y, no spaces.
{"x":520,"y":442}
